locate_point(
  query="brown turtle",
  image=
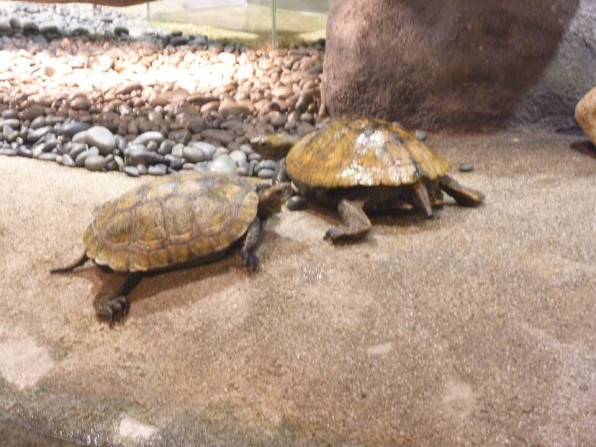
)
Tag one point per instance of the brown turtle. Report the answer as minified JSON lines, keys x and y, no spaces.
{"x":364,"y":165}
{"x":175,"y":221}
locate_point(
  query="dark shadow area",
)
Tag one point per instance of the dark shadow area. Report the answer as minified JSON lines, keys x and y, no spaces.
{"x":584,"y":147}
{"x":216,"y":272}
{"x":16,"y":435}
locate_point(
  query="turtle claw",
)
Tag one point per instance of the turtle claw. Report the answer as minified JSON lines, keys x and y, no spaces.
{"x":333,"y":234}
{"x":113,"y":309}
{"x":251,"y":261}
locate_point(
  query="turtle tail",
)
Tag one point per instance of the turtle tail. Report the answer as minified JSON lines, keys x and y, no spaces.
{"x":72,"y":266}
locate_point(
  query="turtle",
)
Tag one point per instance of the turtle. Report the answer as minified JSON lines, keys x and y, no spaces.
{"x":175,"y":221}
{"x":363,"y":165}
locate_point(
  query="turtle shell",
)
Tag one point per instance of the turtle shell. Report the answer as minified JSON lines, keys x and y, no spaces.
{"x":362,"y":152}
{"x":171,"y":220}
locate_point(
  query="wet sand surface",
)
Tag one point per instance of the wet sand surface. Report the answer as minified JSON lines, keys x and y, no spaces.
{"x":474,"y":328}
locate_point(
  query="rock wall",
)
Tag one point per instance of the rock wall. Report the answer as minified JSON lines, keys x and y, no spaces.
{"x":455,"y":64}
{"x":571,"y":73}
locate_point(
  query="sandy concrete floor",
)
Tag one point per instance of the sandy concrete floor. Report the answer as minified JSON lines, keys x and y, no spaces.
{"x":475,"y":328}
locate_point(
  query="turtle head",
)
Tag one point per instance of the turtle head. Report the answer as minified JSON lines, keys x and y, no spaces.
{"x":272,"y":197}
{"x":274,"y":146}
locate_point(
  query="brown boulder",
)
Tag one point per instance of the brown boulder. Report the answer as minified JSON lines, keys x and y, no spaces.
{"x":459,"y":64}
{"x":585,"y":114}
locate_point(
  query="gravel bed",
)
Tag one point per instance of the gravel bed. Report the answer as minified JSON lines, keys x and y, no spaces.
{"x":94,"y":88}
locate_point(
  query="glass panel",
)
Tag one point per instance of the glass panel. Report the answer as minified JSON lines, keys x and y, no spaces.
{"x":293,"y":18}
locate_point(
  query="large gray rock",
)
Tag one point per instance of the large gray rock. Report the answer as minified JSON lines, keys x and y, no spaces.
{"x":570,"y":74}
{"x":459,"y":64}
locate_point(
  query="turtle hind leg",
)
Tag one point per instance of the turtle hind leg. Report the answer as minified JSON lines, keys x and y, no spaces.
{"x":355,"y":222}
{"x":462,"y":195}
{"x":111,"y":303}
{"x":82,"y":259}
{"x":251,"y":240}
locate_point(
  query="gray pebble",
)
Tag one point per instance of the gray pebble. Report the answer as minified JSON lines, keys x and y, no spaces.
{"x":238,"y":156}
{"x":142,"y":169}
{"x":111,"y":165}
{"x":466,"y":167}
{"x":221,"y":151}
{"x":68,"y":161}
{"x":421,"y":135}
{"x":193,"y":154}
{"x":207,"y":148}
{"x":51,"y":144}
{"x":200,"y":168}
{"x":266,"y":164}
{"x":80,"y":137}
{"x":135,"y":147}
{"x":10,"y":114}
{"x":221,"y":136}
{"x":102,"y":138}
{"x":8,"y":151}
{"x":254,"y":157}
{"x":242,"y":170}
{"x":121,"y":143}
{"x":37,"y":134}
{"x":158,"y":169}
{"x":24,"y":151}
{"x":166,"y":147}
{"x":142,"y":157}
{"x":9,"y":133}
{"x":52,"y":120}
{"x":146,"y":137}
{"x":74,"y":127}
{"x":175,"y":163}
{"x":246,"y":148}
{"x":279,"y":120}
{"x":178,"y":150}
{"x":131,"y":171}
{"x":37,"y":150}
{"x":80,"y":159}
{"x":12,"y":123}
{"x":95,"y":162}
{"x":38,"y":122}
{"x":265,"y":173}
{"x":76,"y":149}
{"x":47,"y":156}
{"x":223,"y":164}
{"x":119,"y":162}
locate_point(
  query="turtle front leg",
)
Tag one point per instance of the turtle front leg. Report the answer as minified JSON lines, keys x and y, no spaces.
{"x":462,"y":195}
{"x":251,"y":240}
{"x":111,"y":302}
{"x":422,"y":199}
{"x":355,"y":222}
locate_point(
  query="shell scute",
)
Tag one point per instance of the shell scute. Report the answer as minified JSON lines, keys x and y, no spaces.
{"x":210,"y":213}
{"x":179,"y":220}
{"x":149,"y":231}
